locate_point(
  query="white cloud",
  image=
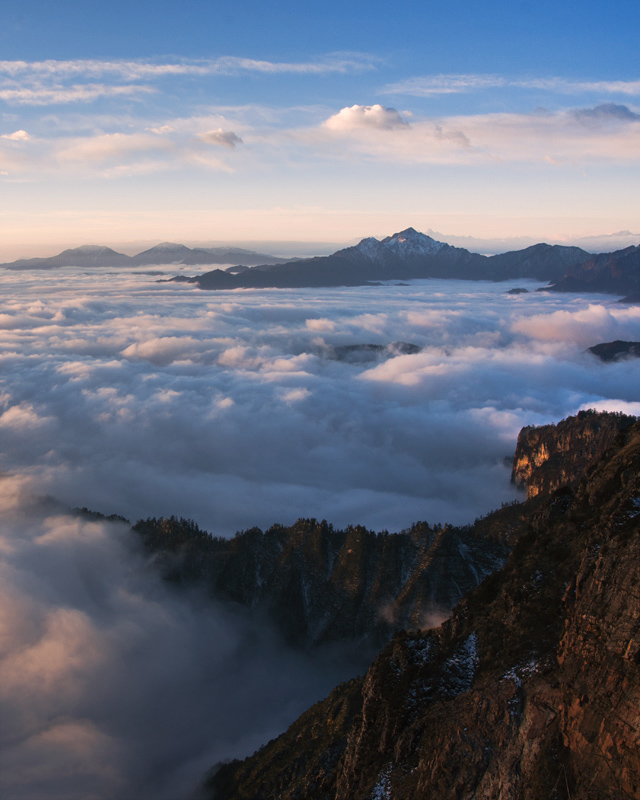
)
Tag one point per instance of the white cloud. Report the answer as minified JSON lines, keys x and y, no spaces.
{"x":377,"y":117}
{"x":16,"y":136}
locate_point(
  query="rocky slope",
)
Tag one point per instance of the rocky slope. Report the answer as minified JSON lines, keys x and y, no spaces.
{"x":551,"y":456}
{"x":530,"y":690}
{"x":319,"y":584}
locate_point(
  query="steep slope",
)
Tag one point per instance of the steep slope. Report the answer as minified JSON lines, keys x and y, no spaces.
{"x":551,"y":456}
{"x":531,"y":690}
{"x":319,"y":584}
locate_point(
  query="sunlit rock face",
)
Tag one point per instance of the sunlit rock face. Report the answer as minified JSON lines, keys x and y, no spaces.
{"x":530,"y":690}
{"x":551,"y":456}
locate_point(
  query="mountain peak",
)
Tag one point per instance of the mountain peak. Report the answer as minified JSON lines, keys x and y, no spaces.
{"x":411,"y":242}
{"x":90,"y":250}
{"x":169,"y":247}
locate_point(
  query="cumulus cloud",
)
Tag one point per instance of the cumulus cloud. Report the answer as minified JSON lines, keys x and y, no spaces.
{"x":16,"y":136}
{"x":375,"y":117}
{"x":220,"y":138}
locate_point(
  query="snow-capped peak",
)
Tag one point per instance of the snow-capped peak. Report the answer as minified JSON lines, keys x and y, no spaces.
{"x":91,"y":250}
{"x":369,"y":247}
{"x":410,"y":242}
{"x":168,"y":247}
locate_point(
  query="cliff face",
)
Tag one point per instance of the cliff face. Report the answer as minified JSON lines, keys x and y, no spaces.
{"x":319,"y":584}
{"x":555,"y":455}
{"x":530,"y":690}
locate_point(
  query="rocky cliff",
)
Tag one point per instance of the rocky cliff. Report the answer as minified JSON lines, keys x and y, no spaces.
{"x":319,"y":584}
{"x":530,"y":690}
{"x":551,"y":456}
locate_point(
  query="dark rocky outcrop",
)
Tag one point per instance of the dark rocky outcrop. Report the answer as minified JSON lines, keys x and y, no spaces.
{"x":550,"y":456}
{"x":531,"y":690}
{"x":616,"y":351}
{"x":319,"y":584}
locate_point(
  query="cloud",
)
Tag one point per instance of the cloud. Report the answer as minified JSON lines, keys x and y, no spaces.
{"x":113,"y":685}
{"x":430,"y":85}
{"x":16,"y":136}
{"x":375,"y":117}
{"x":606,"y":112}
{"x":110,"y":146}
{"x":150,"y":70}
{"x":221,"y":138}
{"x":574,"y":136}
{"x":55,"y":95}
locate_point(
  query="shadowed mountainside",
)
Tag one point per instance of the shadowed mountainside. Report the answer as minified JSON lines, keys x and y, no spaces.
{"x":530,"y":690}
{"x":321,"y":585}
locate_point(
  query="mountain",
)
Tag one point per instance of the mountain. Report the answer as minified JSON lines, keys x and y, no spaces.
{"x":322,"y":585}
{"x":611,"y":273}
{"x":164,"y":253}
{"x":616,"y":351}
{"x":550,"y":456}
{"x":531,"y":690}
{"x":88,"y":255}
{"x":403,"y":256}
{"x":543,"y":262}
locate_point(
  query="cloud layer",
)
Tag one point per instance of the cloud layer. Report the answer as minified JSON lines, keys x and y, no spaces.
{"x":139,"y":398}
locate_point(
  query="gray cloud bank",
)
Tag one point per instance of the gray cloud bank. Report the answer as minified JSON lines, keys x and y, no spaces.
{"x":140,"y":398}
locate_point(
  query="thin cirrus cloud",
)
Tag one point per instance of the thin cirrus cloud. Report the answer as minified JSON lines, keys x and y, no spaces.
{"x":431,"y":85}
{"x":137,"y":69}
{"x":53,"y":95}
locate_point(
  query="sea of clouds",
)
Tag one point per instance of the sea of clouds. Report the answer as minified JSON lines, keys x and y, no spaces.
{"x":140,"y":398}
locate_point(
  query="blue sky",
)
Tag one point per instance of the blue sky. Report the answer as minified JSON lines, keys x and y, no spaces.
{"x":217,"y":121}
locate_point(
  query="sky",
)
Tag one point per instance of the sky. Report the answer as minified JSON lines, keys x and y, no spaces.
{"x":132,"y":123}
{"x":304,"y":127}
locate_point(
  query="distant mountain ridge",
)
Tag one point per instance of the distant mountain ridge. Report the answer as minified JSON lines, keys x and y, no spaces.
{"x":405,"y":255}
{"x":89,"y":255}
